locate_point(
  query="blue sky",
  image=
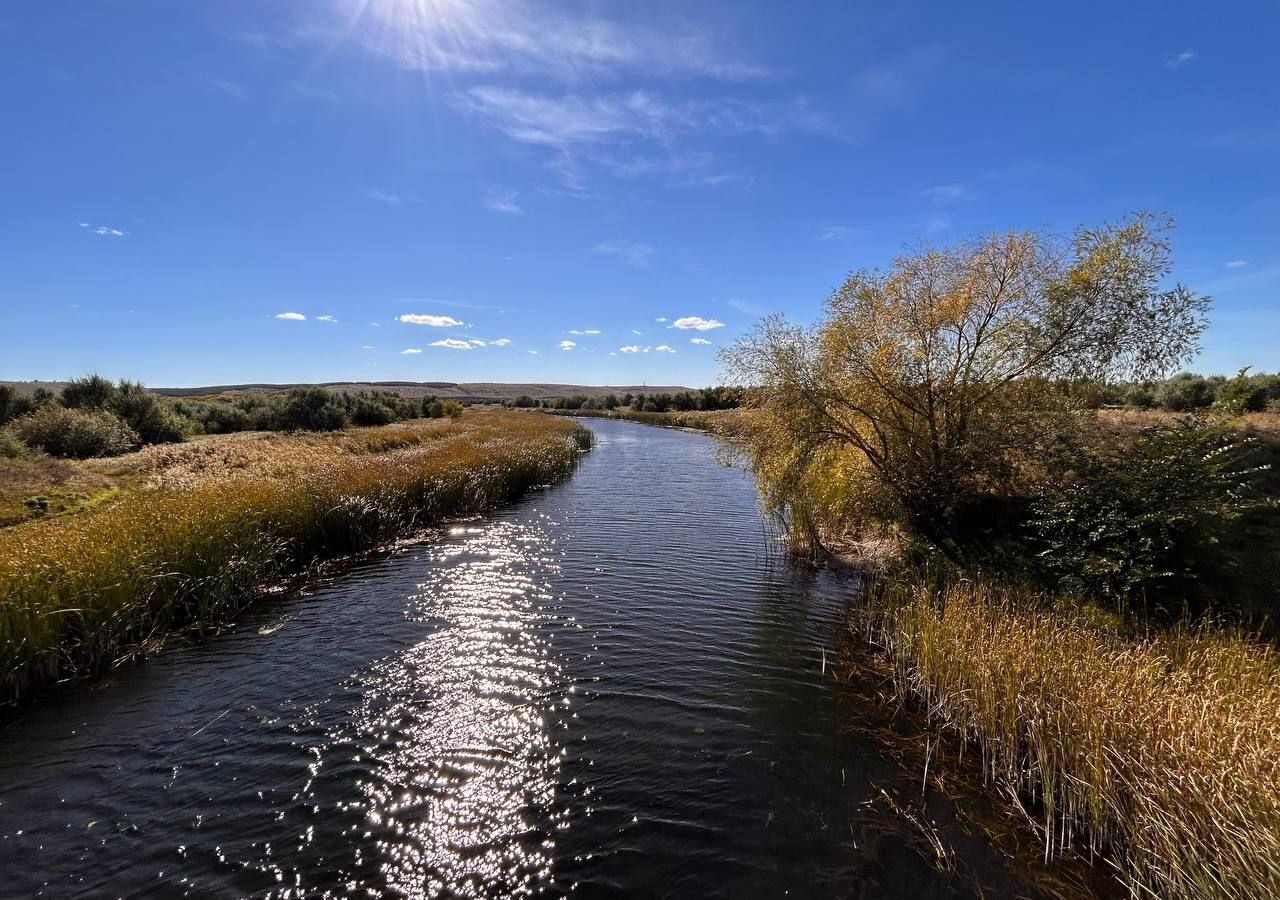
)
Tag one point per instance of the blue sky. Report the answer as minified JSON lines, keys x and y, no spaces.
{"x":560,"y":188}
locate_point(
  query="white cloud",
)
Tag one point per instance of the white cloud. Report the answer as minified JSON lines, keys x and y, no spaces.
{"x":452,"y":344}
{"x":696,"y":323}
{"x":584,"y":331}
{"x":226,"y":86}
{"x":567,"y":345}
{"x":699,"y":341}
{"x":838,"y":233}
{"x":947,"y":193}
{"x":1237,"y":264}
{"x":630,"y":348}
{"x":325,"y":319}
{"x":427,"y":319}
{"x":366,"y":347}
{"x":663,"y":348}
{"x":1179,"y":60}
{"x":476,"y":342}
{"x":748,"y":309}
{"x":640,"y":333}
{"x":533,"y":352}
{"x":502,"y":342}
{"x":660,"y":319}
{"x":291,"y":316}
{"x":411,"y":350}
{"x":381,"y":196}
{"x":631,"y":252}
{"x":502,"y":200}
{"x":103,"y":230}
{"x":492,"y":37}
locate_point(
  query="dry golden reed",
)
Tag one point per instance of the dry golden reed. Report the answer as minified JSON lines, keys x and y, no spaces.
{"x":79,"y":593}
{"x":1162,"y":753}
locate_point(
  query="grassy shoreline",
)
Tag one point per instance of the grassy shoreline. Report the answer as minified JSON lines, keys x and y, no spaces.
{"x":718,"y":422}
{"x":81,"y":592}
{"x":1157,"y":753}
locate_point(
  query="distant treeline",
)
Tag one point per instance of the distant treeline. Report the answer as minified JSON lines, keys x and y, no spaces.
{"x":1188,"y":392}
{"x":704,"y":400}
{"x":93,"y":416}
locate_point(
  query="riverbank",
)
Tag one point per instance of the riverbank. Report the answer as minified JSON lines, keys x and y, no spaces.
{"x":718,"y":422}
{"x":1156,"y":752}
{"x":187,"y":533}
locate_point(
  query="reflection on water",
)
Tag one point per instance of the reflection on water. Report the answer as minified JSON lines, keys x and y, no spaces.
{"x":455,"y":729}
{"x":613,"y":688}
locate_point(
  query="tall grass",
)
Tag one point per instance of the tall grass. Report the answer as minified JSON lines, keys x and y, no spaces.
{"x":77,"y":594}
{"x":1160,"y":752}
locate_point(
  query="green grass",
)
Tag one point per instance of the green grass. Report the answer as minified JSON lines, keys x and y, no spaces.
{"x":82,"y":592}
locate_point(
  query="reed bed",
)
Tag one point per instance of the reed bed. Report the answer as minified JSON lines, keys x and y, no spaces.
{"x":80,"y":593}
{"x":1160,"y":753}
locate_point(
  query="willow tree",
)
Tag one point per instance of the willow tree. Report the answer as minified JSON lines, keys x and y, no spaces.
{"x":937,"y":381}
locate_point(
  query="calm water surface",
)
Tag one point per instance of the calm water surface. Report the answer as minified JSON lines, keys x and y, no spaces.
{"x":613,"y":688}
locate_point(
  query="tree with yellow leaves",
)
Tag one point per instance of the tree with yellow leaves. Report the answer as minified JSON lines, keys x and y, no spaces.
{"x":936,"y":382}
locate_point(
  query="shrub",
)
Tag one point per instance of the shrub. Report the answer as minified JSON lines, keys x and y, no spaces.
{"x":11,"y":447}
{"x":76,"y":433}
{"x":452,"y":409}
{"x":14,"y":404}
{"x":433,"y":410}
{"x":148,"y":415}
{"x":1115,"y":525}
{"x":1244,"y":393}
{"x":313,"y":409}
{"x":90,"y":392}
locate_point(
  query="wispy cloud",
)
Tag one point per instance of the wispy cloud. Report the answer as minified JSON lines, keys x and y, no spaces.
{"x":429,"y":319}
{"x":630,"y":348}
{"x":838,"y":233}
{"x":748,"y":309}
{"x":410,"y":350}
{"x":567,"y":345}
{"x":225,"y":86}
{"x":502,"y":342}
{"x":491,"y":37}
{"x":640,"y":333}
{"x":699,"y":341}
{"x":696,"y":323}
{"x":660,"y":319}
{"x":1178,"y":60}
{"x":291,"y":316}
{"x":947,"y":193}
{"x":452,"y":344}
{"x":378,"y":195}
{"x":584,"y":331}
{"x":632,"y":253}
{"x":1237,"y":264}
{"x":663,"y":348}
{"x":326,"y":319}
{"x":476,"y":342}
{"x":502,"y":200}
{"x":103,"y":230}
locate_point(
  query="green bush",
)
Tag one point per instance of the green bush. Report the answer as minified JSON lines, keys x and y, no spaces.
{"x":75,"y":433}
{"x":11,"y":447}
{"x":313,"y":409}
{"x":1115,"y":525}
{"x":433,"y":410}
{"x":90,"y":392}
{"x":452,"y":409}
{"x":152,"y":418}
{"x":14,"y":404}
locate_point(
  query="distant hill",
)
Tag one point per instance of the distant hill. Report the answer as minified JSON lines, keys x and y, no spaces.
{"x":478,"y":392}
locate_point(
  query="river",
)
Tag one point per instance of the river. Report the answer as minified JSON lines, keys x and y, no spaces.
{"x":614,"y":687}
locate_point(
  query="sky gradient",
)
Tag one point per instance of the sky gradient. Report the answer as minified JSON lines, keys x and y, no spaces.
{"x":466,"y":190}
